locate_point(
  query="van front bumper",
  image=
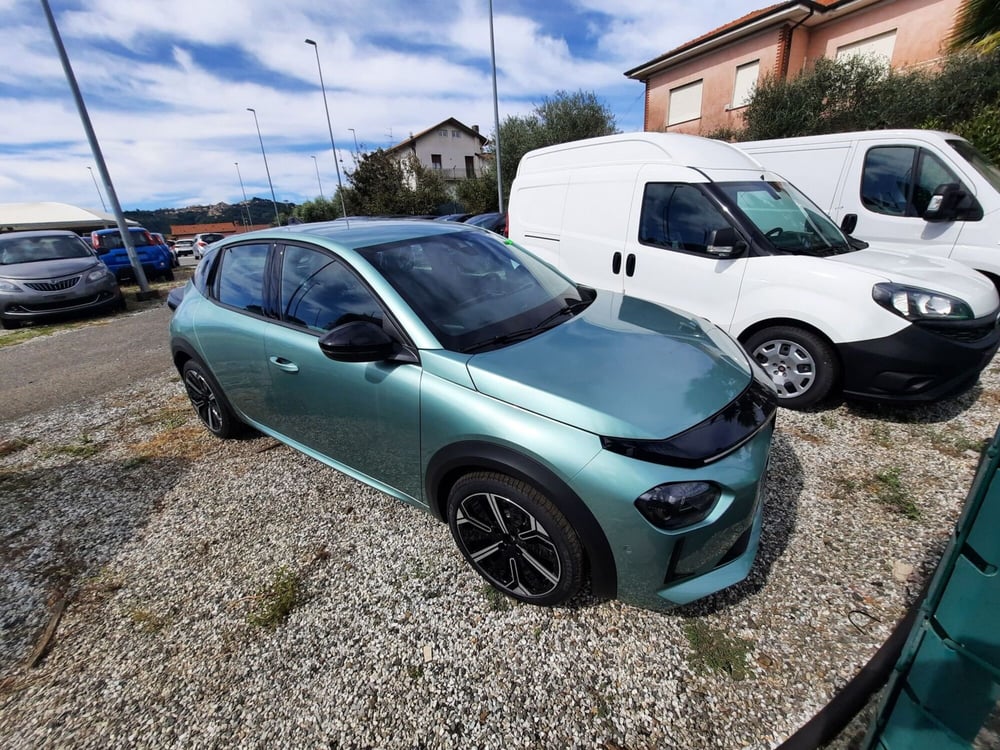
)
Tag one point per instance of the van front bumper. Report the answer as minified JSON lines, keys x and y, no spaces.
{"x":924,"y":361}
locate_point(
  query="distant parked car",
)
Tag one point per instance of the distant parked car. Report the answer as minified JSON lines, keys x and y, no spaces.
{"x":159,"y":239}
{"x":495,"y":222}
{"x":565,"y":434}
{"x":184,"y":247}
{"x":453,"y":217}
{"x":155,"y":258}
{"x":47,"y":274}
{"x":203,"y":240}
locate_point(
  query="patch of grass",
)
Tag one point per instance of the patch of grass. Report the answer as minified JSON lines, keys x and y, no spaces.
{"x":495,"y":600}
{"x":146,"y":621}
{"x":414,"y":671}
{"x":276,"y":600}
{"x":829,"y":421}
{"x":19,"y":336}
{"x":888,"y":489}
{"x":714,"y":650}
{"x":85,"y":447}
{"x":178,"y":442}
{"x":879,"y":434}
{"x":13,"y":445}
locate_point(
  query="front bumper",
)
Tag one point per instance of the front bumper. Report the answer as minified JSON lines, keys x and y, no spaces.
{"x":922,"y":362}
{"x":46,"y":306}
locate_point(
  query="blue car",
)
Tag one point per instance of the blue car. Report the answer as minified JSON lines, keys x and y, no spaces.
{"x":154,"y":257}
{"x":567,"y":436}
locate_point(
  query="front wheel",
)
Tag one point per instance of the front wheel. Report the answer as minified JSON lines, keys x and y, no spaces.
{"x":801,"y":364}
{"x":210,"y":402}
{"x":516,"y":538}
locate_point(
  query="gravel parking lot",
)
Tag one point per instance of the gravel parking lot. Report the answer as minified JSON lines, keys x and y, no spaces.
{"x":175,"y":557}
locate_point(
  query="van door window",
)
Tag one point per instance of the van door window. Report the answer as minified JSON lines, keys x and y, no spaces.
{"x":900,"y":180}
{"x":678,"y":216}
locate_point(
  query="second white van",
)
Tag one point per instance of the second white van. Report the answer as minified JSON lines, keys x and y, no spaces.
{"x":698,"y":225}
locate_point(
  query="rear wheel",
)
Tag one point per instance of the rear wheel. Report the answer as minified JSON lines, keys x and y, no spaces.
{"x":801,"y":364}
{"x":210,"y":402}
{"x":168,"y":275}
{"x":10,"y":325}
{"x":516,"y":538}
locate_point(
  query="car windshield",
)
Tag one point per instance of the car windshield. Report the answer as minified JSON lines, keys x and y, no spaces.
{"x":790,"y":221}
{"x":30,"y":249}
{"x":476,"y":292}
{"x":979,"y":162}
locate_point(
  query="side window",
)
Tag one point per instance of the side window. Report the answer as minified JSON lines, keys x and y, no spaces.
{"x":885,"y":181}
{"x":678,"y":217}
{"x":318,"y":292}
{"x":931,"y":173}
{"x":241,"y":278}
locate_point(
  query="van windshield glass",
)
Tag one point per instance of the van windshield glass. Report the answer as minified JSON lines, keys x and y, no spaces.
{"x":790,"y":221}
{"x":978,"y":161}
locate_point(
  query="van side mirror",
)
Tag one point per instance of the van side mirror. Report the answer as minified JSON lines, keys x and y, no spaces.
{"x":944,"y":204}
{"x":725,"y":243}
{"x":849,"y":223}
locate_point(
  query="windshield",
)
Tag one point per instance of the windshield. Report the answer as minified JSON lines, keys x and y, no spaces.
{"x":790,"y":221}
{"x":30,"y":249}
{"x":474,"y":291}
{"x":979,"y":162}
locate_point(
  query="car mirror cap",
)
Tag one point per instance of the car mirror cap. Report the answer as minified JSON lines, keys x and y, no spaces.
{"x":358,"y":341}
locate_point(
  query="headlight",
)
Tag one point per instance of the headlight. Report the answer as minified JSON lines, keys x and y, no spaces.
{"x":914,"y":303}
{"x":97,"y":274}
{"x":8,"y":286}
{"x":671,"y":506}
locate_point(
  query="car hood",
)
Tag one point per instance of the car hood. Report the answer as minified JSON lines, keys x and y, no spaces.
{"x":937,"y":274}
{"x":48,"y":269}
{"x":624,"y":367}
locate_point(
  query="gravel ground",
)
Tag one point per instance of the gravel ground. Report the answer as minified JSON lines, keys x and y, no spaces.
{"x":167,"y":547}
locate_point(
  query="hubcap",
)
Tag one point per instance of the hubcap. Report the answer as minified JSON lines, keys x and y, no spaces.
{"x":203,"y":399}
{"x":508,"y":545}
{"x":790,"y":366}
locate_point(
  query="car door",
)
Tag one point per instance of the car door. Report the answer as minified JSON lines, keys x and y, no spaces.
{"x":365,"y":416}
{"x":667,"y":257}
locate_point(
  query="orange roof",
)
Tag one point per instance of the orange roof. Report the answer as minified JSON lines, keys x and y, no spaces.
{"x":225,"y":227}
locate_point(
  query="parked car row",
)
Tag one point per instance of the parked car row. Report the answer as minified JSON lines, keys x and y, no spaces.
{"x":154,"y":256}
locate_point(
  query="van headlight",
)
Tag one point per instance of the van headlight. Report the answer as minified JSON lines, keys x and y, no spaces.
{"x":914,"y":303}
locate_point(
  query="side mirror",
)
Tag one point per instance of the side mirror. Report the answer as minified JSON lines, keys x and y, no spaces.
{"x":849,"y":223}
{"x":358,"y":341}
{"x":725,"y":243}
{"x":944,"y":204}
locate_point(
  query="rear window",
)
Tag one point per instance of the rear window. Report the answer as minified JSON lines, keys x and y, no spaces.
{"x":212,"y":237}
{"x":113,"y":240}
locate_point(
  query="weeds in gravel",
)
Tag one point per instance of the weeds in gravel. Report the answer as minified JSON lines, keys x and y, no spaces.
{"x":496,"y":601}
{"x":276,"y":600}
{"x":714,"y":650}
{"x":13,"y":445}
{"x":85,"y":447}
{"x":889,"y":490}
{"x":146,"y":621}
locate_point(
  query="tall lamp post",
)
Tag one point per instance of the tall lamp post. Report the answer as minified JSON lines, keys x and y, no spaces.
{"x":496,"y":112}
{"x":249,"y":219}
{"x":316,"y":163}
{"x":329,"y":125}
{"x":274,"y":201}
{"x":356,"y":149}
{"x":99,"y":193}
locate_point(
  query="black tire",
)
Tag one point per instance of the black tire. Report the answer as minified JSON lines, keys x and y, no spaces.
{"x":801,"y":364}
{"x":168,"y":275}
{"x":210,"y":402}
{"x":536,"y":555}
{"x":10,"y":325}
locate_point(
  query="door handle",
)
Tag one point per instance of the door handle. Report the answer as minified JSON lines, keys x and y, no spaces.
{"x":630,"y":264}
{"x":283,"y":364}
{"x":616,"y":263}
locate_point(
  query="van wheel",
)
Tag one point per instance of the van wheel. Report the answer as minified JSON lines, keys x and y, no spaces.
{"x":801,"y":364}
{"x":516,"y":538}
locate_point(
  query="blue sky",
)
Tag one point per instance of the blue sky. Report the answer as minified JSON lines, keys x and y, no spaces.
{"x":167,"y":84}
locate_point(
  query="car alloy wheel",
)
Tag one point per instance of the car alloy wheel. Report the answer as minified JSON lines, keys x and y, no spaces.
{"x":209,"y":402}
{"x":515,"y":538}
{"x":801,"y":365}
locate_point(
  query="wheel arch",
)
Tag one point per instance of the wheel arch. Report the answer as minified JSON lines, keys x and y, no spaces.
{"x":760,"y":325}
{"x":451,"y":463}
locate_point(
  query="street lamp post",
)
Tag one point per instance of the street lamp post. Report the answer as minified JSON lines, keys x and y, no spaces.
{"x":274,"y":201}
{"x":99,"y":193}
{"x":249,"y":219}
{"x":496,"y":113}
{"x":316,"y":163}
{"x":356,"y":149}
{"x":329,"y":125}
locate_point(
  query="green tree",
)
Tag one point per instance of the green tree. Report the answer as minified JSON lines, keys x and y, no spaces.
{"x":320,"y":209}
{"x":382,"y":184}
{"x":977,"y":26}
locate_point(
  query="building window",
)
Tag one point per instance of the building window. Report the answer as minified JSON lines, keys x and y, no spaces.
{"x":746,"y":80}
{"x":456,"y":134}
{"x":443,"y":133}
{"x":470,"y":167}
{"x":878,"y":47}
{"x":685,"y":103}
{"x":436,"y":161}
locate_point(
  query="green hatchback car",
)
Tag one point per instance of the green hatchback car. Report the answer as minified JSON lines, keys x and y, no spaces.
{"x":573,"y":439}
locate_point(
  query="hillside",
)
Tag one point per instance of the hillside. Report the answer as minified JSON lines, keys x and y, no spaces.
{"x":160,"y":219}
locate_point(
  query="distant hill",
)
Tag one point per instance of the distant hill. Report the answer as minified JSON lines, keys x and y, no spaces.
{"x":161,"y":219}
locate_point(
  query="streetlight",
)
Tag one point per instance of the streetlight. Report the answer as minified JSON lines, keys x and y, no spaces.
{"x":329,"y":125}
{"x":274,"y":201}
{"x":249,"y":218}
{"x":99,"y":194}
{"x":496,"y":113}
{"x":322,"y":197}
{"x":356,"y":149}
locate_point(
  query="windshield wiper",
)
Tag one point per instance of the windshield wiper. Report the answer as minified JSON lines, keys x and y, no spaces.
{"x":526,"y":333}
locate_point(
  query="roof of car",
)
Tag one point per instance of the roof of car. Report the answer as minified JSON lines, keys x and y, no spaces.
{"x":39,"y":233}
{"x":354,"y":234}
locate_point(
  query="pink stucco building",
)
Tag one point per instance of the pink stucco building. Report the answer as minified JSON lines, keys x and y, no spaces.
{"x":704,"y":84}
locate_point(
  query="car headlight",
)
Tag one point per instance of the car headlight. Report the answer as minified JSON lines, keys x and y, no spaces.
{"x":97,"y":274}
{"x":672,"y":506}
{"x":8,"y":286}
{"x":914,"y":303}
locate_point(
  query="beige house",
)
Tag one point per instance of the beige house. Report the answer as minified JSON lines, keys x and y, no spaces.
{"x":704,"y":85}
{"x":451,"y":148}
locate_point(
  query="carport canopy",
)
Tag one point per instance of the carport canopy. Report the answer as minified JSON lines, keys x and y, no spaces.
{"x":16,"y":217}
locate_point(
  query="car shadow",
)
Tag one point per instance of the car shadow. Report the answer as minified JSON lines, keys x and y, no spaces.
{"x":922,"y":413}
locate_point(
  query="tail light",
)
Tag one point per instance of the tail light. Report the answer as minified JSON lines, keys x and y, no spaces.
{"x":95,"y":240}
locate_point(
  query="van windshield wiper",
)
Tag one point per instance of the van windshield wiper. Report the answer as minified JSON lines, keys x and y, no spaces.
{"x":544,"y":324}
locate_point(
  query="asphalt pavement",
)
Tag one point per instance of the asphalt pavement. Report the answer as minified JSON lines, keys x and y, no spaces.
{"x":83,"y":362}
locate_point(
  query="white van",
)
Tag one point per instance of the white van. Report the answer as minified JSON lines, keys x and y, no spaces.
{"x":699,"y":225}
{"x":921,"y":191}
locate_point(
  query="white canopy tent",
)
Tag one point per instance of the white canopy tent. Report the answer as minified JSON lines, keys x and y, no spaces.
{"x":16,"y":217}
